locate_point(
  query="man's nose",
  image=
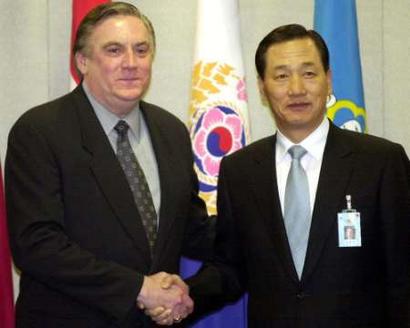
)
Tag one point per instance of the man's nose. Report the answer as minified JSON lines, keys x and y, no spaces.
{"x":296,"y":85}
{"x":130,"y":59}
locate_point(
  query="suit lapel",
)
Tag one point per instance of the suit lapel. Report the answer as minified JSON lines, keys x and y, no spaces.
{"x":108,"y":173}
{"x":335,"y":173}
{"x":265,"y":189}
{"x":167,"y":177}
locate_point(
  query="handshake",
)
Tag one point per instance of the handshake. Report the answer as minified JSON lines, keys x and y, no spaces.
{"x":165,"y":298}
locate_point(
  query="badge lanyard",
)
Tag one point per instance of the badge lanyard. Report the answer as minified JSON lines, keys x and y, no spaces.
{"x":349,"y":228}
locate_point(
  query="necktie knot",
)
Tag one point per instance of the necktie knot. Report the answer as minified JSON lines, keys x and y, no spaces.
{"x":297,"y":152}
{"x":122,"y":128}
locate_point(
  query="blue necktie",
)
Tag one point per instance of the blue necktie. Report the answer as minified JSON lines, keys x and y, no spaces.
{"x":297,"y":209}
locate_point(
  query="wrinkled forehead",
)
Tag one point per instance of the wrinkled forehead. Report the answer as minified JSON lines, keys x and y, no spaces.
{"x":120,"y":29}
{"x":297,"y":51}
{"x":122,"y":23}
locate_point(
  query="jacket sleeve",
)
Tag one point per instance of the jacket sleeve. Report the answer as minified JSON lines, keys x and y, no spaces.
{"x":394,"y":208}
{"x":200,"y":230}
{"x":220,"y":280}
{"x":41,"y":247}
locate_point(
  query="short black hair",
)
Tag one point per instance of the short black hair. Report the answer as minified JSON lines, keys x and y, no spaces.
{"x":287,"y":33}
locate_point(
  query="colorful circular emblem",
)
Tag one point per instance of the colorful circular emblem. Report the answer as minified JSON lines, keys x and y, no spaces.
{"x":217,"y":125}
{"x":218,"y":132}
{"x":347,"y":115}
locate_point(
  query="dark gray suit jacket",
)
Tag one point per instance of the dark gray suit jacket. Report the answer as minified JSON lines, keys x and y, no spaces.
{"x":75,"y":232}
{"x":353,"y":287}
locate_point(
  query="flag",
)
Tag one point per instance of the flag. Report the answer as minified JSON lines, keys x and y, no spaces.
{"x":336,"y":21}
{"x":80,"y":8}
{"x":218,"y":116}
{"x":6,"y":282}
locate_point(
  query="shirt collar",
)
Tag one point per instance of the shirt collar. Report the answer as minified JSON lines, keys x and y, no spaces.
{"x":108,"y":119}
{"x":314,"y":143}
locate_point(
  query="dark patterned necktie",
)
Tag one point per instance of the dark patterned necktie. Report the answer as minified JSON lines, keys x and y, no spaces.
{"x":138,"y":183}
{"x":297,"y":208}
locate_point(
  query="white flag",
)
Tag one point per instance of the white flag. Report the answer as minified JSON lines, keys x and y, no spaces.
{"x":218,"y":115}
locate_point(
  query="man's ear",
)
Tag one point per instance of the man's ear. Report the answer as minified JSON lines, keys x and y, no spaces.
{"x":262,"y":93}
{"x":81,"y":62}
{"x":329,"y":82}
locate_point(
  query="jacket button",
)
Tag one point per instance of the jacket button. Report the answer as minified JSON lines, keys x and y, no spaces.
{"x":301,"y":296}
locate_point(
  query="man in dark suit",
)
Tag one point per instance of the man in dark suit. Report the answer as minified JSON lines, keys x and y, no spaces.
{"x":93,"y":227}
{"x":294,"y":261}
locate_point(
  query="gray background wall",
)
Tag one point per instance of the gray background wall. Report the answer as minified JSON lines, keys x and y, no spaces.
{"x":34,"y":38}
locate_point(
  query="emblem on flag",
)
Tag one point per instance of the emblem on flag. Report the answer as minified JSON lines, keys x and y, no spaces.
{"x":216,"y":126}
{"x":346,"y":114}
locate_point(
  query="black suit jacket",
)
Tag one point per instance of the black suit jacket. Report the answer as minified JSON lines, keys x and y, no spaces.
{"x":75,"y":231}
{"x":364,"y":286}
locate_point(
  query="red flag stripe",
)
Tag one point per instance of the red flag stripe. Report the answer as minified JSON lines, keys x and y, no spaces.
{"x":79,"y":10}
{"x":6,"y":283}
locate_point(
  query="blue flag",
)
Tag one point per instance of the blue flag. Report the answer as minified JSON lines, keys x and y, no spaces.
{"x":336,"y":21}
{"x":232,"y":315}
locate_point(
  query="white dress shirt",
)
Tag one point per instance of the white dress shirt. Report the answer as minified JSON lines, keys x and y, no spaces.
{"x":311,"y":161}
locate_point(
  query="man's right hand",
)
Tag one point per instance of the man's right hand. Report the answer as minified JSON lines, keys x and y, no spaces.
{"x":165,"y":298}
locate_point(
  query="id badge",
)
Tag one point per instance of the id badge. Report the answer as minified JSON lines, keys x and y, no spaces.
{"x":349,"y":228}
